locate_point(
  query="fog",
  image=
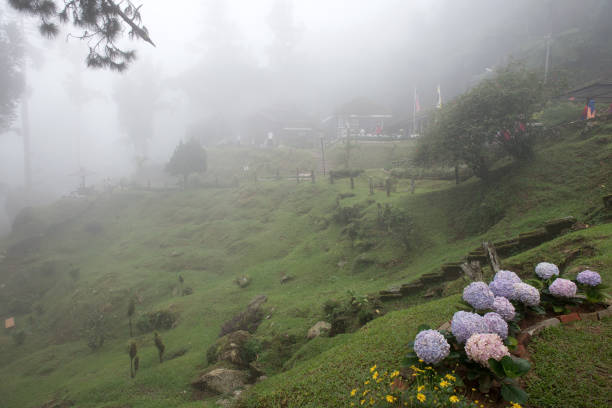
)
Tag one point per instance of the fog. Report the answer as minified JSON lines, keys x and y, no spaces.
{"x":216,"y":63}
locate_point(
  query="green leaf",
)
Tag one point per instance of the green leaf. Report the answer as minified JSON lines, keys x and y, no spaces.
{"x":536,"y":283}
{"x":484,"y":383}
{"x":497,"y":368}
{"x":453,"y":355}
{"x":538,"y":309}
{"x":515,"y":367}
{"x":473,"y":374}
{"x":511,"y":342}
{"x":512,"y":393}
{"x":558,"y":309}
{"x":423,"y":327}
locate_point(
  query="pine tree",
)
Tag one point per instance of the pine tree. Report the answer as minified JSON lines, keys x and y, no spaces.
{"x":189,"y":157}
{"x":101,"y":22}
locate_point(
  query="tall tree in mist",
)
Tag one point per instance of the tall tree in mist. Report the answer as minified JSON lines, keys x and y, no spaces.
{"x":101,"y":23}
{"x":11,"y":73}
{"x":188,"y":158}
{"x":137,"y":95}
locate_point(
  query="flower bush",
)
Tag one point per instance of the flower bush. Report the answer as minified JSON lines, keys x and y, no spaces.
{"x":478,"y":295}
{"x":504,"y":308}
{"x":496,"y":324}
{"x":465,"y":324}
{"x":431,"y":346}
{"x":546,"y":270}
{"x":503,"y":288}
{"x":507,"y":275}
{"x":588,"y":277}
{"x":526,"y":294}
{"x":563,"y":288}
{"x":481,"y":347}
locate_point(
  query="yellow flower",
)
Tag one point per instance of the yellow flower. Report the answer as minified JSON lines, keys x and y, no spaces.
{"x":420,"y":361}
{"x":365,"y":392}
{"x":444,"y":383}
{"x":371,"y":401}
{"x":367,"y":382}
{"x":429,"y":368}
{"x":476,"y":402}
{"x":353,"y":392}
{"x":421,"y":388}
{"x":373,"y":368}
{"x":450,"y":377}
{"x":394,"y":374}
{"x":515,"y":405}
{"x":375,"y":375}
{"x":454,"y":399}
{"x":390,"y":399}
{"x":362,"y":401}
{"x":421,"y":397}
{"x":473,"y":389}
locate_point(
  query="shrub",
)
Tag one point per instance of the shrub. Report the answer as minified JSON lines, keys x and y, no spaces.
{"x":19,"y":337}
{"x":159,"y":320}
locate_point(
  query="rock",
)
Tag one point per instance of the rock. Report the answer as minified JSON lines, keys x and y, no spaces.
{"x":174,"y":254}
{"x":230,"y":348}
{"x":318,"y":329}
{"x":589,"y":316}
{"x":604,"y":313}
{"x":285,"y":279}
{"x":242,"y":281}
{"x":221,"y":381}
{"x":248,"y":320}
{"x":261,"y":378}
{"x":224,"y":403}
{"x":538,"y":327}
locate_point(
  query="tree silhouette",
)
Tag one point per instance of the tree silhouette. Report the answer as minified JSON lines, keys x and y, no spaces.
{"x":189,"y":157}
{"x":130,"y":313}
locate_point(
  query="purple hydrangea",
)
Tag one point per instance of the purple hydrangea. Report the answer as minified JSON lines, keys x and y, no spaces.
{"x":504,"y":308}
{"x":431,"y":346}
{"x":502,"y":287}
{"x":546,"y":270}
{"x":478,"y":295}
{"x":496,"y":324}
{"x":588,"y":277}
{"x":481,"y":347}
{"x":563,"y":288}
{"x":526,"y":294}
{"x":464,"y":324}
{"x":507,"y":275}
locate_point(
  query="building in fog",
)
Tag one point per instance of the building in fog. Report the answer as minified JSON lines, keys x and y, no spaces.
{"x":358,"y":118}
{"x":282,"y":127}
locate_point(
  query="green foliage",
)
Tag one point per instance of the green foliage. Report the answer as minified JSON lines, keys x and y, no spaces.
{"x":489,"y":121}
{"x":94,"y":329}
{"x":188,"y":158}
{"x":159,"y":320}
{"x":19,"y":337}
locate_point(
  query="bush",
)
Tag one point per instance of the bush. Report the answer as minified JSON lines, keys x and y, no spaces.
{"x":19,"y":337}
{"x":346,"y":215}
{"x":159,"y":320}
{"x":95,"y":330}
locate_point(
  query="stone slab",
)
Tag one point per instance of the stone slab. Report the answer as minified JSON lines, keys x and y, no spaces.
{"x":537,"y":328}
{"x":604,"y":313}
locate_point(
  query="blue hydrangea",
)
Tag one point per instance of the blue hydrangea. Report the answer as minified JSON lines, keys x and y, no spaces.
{"x":496,"y":324}
{"x":504,"y":308}
{"x":502,"y":287}
{"x":589,"y":277}
{"x":431,"y":346}
{"x":478,"y":295}
{"x":507,"y":275}
{"x":526,"y":294}
{"x":464,"y":324}
{"x":546,"y":270}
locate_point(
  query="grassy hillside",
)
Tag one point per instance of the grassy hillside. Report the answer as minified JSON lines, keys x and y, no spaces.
{"x":80,"y":260}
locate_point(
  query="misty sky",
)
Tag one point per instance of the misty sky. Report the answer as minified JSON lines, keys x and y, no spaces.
{"x":232,"y":58}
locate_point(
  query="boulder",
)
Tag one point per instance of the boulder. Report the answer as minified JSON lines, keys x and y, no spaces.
{"x":248,"y":320}
{"x":230,"y":348}
{"x":285,"y":279}
{"x":242,"y":281}
{"x":318,"y":329}
{"x":221,"y":381}
{"x":538,"y":327}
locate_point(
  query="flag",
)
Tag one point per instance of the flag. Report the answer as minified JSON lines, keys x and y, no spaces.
{"x":439,"y":105}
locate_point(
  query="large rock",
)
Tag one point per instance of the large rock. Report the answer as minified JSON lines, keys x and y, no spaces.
{"x":248,"y":320}
{"x":230,"y":348}
{"x":221,"y":381}
{"x":318,"y":329}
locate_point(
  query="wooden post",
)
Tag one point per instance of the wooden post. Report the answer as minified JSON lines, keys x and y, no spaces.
{"x":312,"y":176}
{"x":491,"y":253}
{"x":352,"y":182}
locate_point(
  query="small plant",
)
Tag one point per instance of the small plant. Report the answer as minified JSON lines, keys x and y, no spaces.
{"x":160,"y":347}
{"x":19,"y":337}
{"x":134,"y":360}
{"x":589,"y":283}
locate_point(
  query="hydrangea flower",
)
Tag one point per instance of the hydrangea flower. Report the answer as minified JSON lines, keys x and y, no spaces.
{"x":563,"y":288}
{"x":526,"y":294}
{"x":546,"y":270}
{"x":507,"y":275}
{"x":478,"y":295}
{"x":481,"y":347}
{"x":502,"y":287}
{"x":431,"y":346}
{"x":464,"y":324}
{"x":496,"y":324}
{"x":504,"y":308}
{"x":588,"y":277}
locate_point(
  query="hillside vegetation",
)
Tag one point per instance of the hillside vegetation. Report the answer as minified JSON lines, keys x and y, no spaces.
{"x":69,"y":270}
